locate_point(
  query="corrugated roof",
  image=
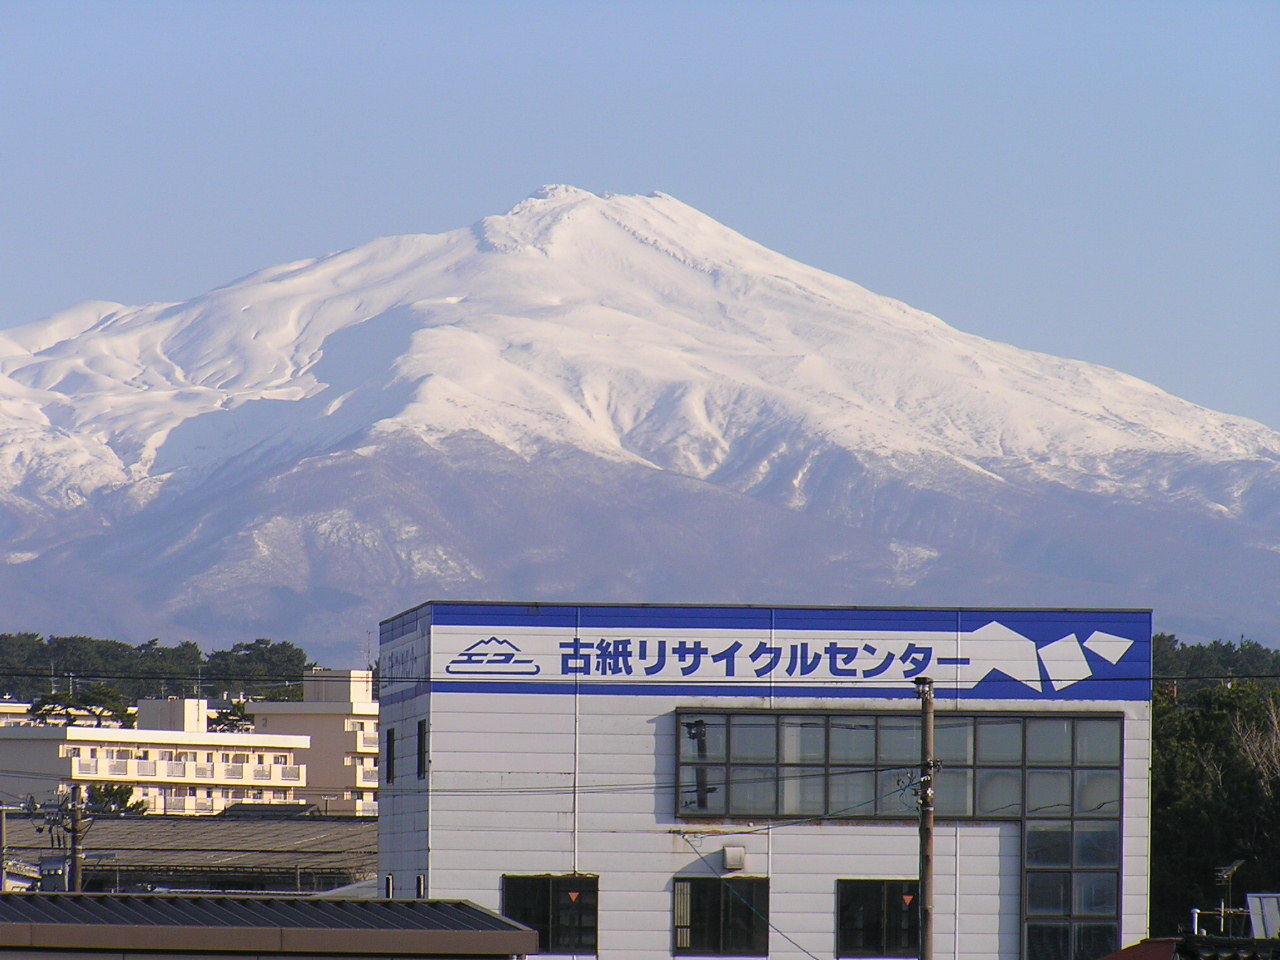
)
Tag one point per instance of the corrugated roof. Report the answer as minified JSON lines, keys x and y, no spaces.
{"x":200,"y":911}
{"x":53,"y":924}
{"x":186,"y":844}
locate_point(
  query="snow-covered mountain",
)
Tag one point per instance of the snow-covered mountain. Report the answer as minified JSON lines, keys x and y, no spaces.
{"x":594,"y":398}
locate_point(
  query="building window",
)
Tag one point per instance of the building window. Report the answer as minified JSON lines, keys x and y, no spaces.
{"x":561,"y":908}
{"x":877,"y":918}
{"x":390,"y":765}
{"x":1071,"y":841}
{"x":721,"y":917}
{"x":840,"y":766}
{"x":422,"y":749}
{"x":1057,"y":775}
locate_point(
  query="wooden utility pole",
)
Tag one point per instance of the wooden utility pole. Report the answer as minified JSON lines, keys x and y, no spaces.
{"x":924,"y":689}
{"x":76,"y":830}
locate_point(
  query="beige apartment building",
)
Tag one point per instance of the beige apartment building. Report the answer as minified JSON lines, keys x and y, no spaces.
{"x":172,"y":760}
{"x":340,"y":717}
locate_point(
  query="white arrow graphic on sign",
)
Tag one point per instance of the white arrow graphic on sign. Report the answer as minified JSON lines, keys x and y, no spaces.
{"x":1018,"y":658}
{"x":1011,"y":653}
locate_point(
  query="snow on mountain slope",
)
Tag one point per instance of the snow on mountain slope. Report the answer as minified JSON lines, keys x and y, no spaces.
{"x":630,"y":331}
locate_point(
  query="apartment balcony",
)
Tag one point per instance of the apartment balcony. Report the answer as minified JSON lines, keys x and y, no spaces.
{"x":345,"y":806}
{"x":368,"y":776}
{"x":188,"y":771}
{"x":190,"y":804}
{"x":360,"y":741}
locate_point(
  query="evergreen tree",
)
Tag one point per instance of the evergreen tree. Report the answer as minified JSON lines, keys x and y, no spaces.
{"x":113,"y":798}
{"x":1215,"y":776}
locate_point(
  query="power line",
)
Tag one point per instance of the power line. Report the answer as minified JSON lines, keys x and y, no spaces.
{"x":220,"y":678}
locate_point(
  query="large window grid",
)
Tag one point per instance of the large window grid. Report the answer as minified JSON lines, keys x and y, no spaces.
{"x":1071,"y":838}
{"x":864,"y":765}
{"x":1058,"y":775}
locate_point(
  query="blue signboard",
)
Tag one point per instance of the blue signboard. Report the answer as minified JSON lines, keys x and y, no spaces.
{"x":779,"y":651}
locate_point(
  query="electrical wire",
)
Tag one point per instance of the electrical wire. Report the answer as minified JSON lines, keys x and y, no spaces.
{"x":221,"y":678}
{"x":750,"y":906}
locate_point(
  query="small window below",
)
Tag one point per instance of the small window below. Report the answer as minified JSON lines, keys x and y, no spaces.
{"x":561,"y":908}
{"x":877,"y":918}
{"x":422,"y":750}
{"x":721,"y":917}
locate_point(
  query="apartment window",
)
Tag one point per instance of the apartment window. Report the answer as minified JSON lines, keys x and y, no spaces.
{"x":390,"y":765}
{"x":561,"y":908}
{"x":422,"y":749}
{"x":877,"y":918}
{"x":721,"y":917}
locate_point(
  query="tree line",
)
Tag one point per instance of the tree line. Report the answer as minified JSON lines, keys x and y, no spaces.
{"x":1215,"y":776}
{"x":93,"y":670}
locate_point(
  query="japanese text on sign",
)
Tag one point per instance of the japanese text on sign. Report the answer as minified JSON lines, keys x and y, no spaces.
{"x":687,"y":658}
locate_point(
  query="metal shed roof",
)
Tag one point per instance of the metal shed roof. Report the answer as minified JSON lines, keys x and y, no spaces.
{"x":345,"y":847}
{"x":277,"y":926}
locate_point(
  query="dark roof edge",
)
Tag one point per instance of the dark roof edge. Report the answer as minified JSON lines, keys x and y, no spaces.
{"x":967,"y":608}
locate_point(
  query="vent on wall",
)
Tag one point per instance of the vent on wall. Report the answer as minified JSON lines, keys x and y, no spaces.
{"x":735,"y":858}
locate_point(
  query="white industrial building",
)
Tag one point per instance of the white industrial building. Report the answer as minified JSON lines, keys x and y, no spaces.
{"x":646,"y":781}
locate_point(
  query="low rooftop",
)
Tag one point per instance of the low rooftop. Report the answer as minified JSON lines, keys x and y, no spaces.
{"x":60,"y":925}
{"x":218,"y":853}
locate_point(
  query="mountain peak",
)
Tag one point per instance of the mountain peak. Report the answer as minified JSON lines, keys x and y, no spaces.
{"x":562,"y":191}
{"x":607,"y":362}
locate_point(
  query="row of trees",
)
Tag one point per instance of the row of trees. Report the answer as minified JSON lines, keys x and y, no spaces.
{"x":1215,"y":775}
{"x":87,"y":673}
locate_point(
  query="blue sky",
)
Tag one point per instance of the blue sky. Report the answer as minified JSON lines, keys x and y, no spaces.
{"x":1093,"y":180}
